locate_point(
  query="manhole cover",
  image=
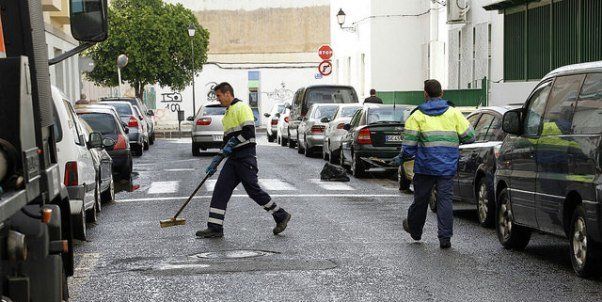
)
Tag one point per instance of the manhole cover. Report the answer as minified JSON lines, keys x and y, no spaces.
{"x":235,"y":254}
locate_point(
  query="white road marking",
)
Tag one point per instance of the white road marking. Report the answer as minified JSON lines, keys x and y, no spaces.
{"x":331,"y":185}
{"x":210,"y":185}
{"x":179,"y":170}
{"x":163,"y":187}
{"x":276,"y":185}
{"x":176,"y":198}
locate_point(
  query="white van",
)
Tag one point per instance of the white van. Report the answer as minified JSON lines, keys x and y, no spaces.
{"x":75,"y":163}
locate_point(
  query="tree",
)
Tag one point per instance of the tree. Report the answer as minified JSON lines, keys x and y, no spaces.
{"x":154,"y":36}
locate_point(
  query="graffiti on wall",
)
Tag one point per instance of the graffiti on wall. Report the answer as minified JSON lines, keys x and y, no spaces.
{"x":280,"y":95}
{"x":211,"y":93}
{"x":172,"y":99}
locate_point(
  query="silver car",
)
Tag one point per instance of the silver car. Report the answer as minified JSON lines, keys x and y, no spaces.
{"x":311,"y":128}
{"x":334,"y":131}
{"x":272,"y":125}
{"x":282,"y":127}
{"x":207,"y":129}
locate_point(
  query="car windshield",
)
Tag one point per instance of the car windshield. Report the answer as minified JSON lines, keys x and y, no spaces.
{"x":324,"y":111}
{"x":100,"y":122}
{"x":214,"y":110}
{"x":348,"y":111}
{"x":280,"y":108}
{"x":386,"y":115}
{"x":123,"y":109}
{"x":338,"y":95}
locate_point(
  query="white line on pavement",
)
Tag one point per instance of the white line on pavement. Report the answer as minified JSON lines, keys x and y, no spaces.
{"x":179,"y":170}
{"x":210,"y":185}
{"x":163,"y":187}
{"x":332,"y":186}
{"x":276,"y":185}
{"x":272,"y":195}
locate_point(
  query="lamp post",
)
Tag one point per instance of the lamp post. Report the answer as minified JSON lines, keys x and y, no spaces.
{"x":191,"y":32}
{"x":122,"y":60}
{"x":341,"y":20}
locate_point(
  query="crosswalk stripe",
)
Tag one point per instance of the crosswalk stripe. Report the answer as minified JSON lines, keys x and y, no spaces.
{"x":276,"y":185}
{"x":209,"y":185}
{"x":163,"y":187}
{"x":332,"y":186}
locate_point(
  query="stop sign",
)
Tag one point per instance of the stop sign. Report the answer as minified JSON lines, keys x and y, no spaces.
{"x":325,"y":52}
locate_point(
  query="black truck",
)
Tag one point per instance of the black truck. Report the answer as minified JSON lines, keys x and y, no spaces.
{"x":36,"y":245}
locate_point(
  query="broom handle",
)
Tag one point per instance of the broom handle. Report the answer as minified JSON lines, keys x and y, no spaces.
{"x":194,"y":193}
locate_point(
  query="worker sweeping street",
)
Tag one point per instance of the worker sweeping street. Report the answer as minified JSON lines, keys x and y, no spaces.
{"x":240,"y":166}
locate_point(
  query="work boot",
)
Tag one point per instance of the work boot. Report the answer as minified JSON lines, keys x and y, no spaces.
{"x":444,"y":243}
{"x":406,"y":227}
{"x":282,"y":222}
{"x":210,"y":233}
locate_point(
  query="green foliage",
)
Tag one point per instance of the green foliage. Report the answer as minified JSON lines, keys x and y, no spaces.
{"x":155,"y":38}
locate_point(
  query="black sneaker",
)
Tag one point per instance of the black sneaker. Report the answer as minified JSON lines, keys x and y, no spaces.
{"x":281,"y":226}
{"x":406,"y":227}
{"x":210,"y":233}
{"x":444,"y":244}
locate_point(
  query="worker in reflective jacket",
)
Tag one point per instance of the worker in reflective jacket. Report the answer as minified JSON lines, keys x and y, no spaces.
{"x":240,"y":166}
{"x":432,"y":136}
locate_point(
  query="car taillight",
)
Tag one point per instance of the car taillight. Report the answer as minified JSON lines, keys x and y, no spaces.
{"x":363,"y":137}
{"x":133,"y":122}
{"x":120,"y":144}
{"x":317,"y":129}
{"x":341,"y":126}
{"x":274,"y":122}
{"x":204,"y":121}
{"x":71,"y":174}
{"x":286,"y":119}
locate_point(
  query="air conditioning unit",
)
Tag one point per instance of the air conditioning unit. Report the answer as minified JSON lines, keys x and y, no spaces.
{"x":456,"y":11}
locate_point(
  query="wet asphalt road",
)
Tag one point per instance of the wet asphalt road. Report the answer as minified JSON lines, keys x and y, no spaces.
{"x":344,"y":243}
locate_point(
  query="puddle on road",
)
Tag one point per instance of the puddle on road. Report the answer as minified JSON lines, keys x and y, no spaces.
{"x":234,"y":254}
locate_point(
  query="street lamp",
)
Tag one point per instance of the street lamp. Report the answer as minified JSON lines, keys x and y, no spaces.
{"x":122,"y":60}
{"x":341,"y":20}
{"x":191,"y":33}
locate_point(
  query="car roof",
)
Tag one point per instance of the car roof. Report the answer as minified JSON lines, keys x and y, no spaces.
{"x":498,"y":109}
{"x":119,"y":102}
{"x":575,"y":69}
{"x":95,"y":110}
{"x":328,"y":86}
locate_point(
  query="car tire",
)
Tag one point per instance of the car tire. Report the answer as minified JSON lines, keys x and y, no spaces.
{"x":325,"y":155}
{"x":334,"y":158}
{"x":146,"y":146}
{"x":195,"y":150}
{"x":151,"y":140}
{"x":584,"y":251}
{"x":306,"y":150}
{"x":271,"y":138}
{"x":511,"y":236}
{"x":92,"y":214}
{"x":485,"y":205}
{"x":342,"y":159}
{"x":138,"y":150}
{"x":79,"y":230}
{"x":97,"y":197}
{"x":433,"y":200}
{"x":358,"y":169}
{"x":291,"y":144}
{"x":109,"y":194}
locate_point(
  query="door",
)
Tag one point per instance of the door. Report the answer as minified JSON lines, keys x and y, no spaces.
{"x":462,"y":161}
{"x":347,"y":141}
{"x":553,"y":151}
{"x":521,"y":154}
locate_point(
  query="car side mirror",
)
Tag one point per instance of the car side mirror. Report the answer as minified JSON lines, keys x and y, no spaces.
{"x":141,"y":117}
{"x":277,"y":115}
{"x":325,"y":120}
{"x":88,"y":20}
{"x":150,"y":113}
{"x":347,"y":127}
{"x":511,"y":122}
{"x":266,"y":115}
{"x":95,"y":140}
{"x":108,"y":142}
{"x":190,"y":119}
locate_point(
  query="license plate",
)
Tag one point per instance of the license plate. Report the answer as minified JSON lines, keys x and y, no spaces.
{"x":218,"y":137}
{"x":394,"y":138}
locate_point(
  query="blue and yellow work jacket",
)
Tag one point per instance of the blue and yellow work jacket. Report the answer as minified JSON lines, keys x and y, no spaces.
{"x":239,"y":122}
{"x":432,"y":135}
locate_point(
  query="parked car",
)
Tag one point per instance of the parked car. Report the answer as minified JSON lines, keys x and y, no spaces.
{"x":137,"y":135}
{"x":107,"y":122}
{"x":75,"y":163}
{"x":334,"y":131}
{"x":103,"y":165}
{"x":311,"y":128}
{"x":374,"y":137}
{"x":147,"y":115}
{"x":207,"y":129}
{"x":319,"y":94}
{"x":548,"y":169}
{"x":282,"y":127}
{"x":272,"y":125}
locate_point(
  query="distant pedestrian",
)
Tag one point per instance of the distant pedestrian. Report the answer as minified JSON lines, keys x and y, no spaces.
{"x":240,"y":167}
{"x":373,"y":98}
{"x":432,"y":136}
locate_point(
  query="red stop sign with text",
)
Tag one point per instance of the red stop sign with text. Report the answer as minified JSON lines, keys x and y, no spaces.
{"x":325,"y":52}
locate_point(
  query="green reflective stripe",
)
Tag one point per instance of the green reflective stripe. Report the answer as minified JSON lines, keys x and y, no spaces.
{"x":441,"y":138}
{"x":441,"y":144}
{"x":468,"y":134}
{"x":410,"y":132}
{"x":410,"y":137}
{"x":409,"y":143}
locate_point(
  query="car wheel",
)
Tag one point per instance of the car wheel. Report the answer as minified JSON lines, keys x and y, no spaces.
{"x":92,"y":214}
{"x":342,"y":159}
{"x":151,"y":140}
{"x":146,"y":146}
{"x":109,"y":194}
{"x":271,"y":138}
{"x":138,"y":149}
{"x":195,"y":150}
{"x":333,"y":158}
{"x":358,"y":168}
{"x":433,"y":200}
{"x":511,"y":236}
{"x":97,"y":197}
{"x":324,"y":154}
{"x":290,"y":142}
{"x":584,"y":252}
{"x":79,"y":230}
{"x":306,"y":150}
{"x":485,"y":205}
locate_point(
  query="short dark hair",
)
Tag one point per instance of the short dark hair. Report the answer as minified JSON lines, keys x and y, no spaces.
{"x":224,"y":87}
{"x":372,"y":91}
{"x":433,"y":88}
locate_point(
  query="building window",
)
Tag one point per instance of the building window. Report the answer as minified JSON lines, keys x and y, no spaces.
{"x":514,"y":46}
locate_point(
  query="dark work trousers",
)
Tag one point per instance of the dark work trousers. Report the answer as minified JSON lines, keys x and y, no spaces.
{"x":423,"y":186}
{"x":234,"y":172}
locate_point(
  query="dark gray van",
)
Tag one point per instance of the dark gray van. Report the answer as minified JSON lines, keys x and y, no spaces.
{"x":549,"y":167}
{"x":318,"y":94}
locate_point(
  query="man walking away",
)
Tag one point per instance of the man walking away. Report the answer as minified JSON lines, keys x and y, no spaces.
{"x":373,"y":98}
{"x":241,"y":166}
{"x":432,"y":135}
